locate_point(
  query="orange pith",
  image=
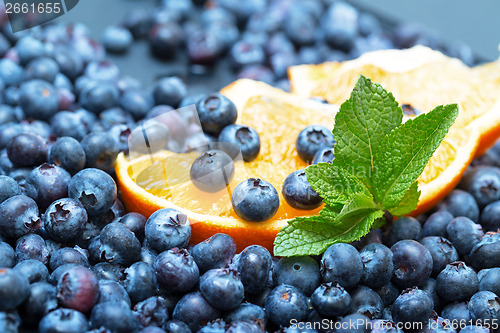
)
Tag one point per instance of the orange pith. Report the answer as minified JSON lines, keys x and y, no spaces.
{"x":278,"y":118}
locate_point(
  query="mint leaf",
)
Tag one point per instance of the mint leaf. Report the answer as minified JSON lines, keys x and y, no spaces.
{"x":361,"y":124}
{"x":358,"y":206}
{"x":409,"y":202}
{"x":333,"y":183}
{"x":404,"y":153}
{"x":313,"y":235}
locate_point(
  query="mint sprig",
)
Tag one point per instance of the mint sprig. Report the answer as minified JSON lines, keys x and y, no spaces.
{"x":378,"y":160}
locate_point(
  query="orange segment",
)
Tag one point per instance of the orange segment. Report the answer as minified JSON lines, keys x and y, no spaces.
{"x":148,"y":184}
{"x":418,"y":76}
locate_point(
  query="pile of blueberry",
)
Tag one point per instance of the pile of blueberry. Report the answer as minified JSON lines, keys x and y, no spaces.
{"x":260,"y":39}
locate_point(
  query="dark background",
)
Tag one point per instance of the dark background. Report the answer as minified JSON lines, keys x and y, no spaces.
{"x":475,"y":23}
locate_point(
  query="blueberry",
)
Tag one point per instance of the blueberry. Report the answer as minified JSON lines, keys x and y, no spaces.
{"x":38,"y":99}
{"x":95,"y":189}
{"x":27,"y":150}
{"x":255,"y":200}
{"x":486,"y":253}
{"x":67,"y":255}
{"x":490,"y":281}
{"x":115,"y":116}
{"x":72,"y":124}
{"x":222,"y":287}
{"x":457,"y":282}
{"x":301,"y":272}
{"x":442,"y":252}
{"x":10,"y":72}
{"x":167,"y":228}
{"x":204,"y":47}
{"x":169,"y":91}
{"x":246,"y":312}
{"x":149,"y":137}
{"x":135,"y":222}
{"x":47,"y":183}
{"x":212,"y":171}
{"x":32,"y":246}
{"x":484,"y":306}
{"x":254,"y":265}
{"x":18,"y":216}
{"x":214,"y":252}
{"x":97,"y":97}
{"x":67,"y":153}
{"x":483,"y":182}
{"x":298,"y":193}
{"x":117,"y":317}
{"x":285,"y":303}
{"x":366,"y":302}
{"x":112,"y":291}
{"x":331,"y":300}
{"x":456,"y":312}
{"x":63,"y":320}
{"x":165,"y":39}
{"x":101,"y":151}
{"x":119,"y":245}
{"x":136,"y":102}
{"x":490,"y":220}
{"x":7,"y":259}
{"x":464,"y":234}
{"x":194,"y":310}
{"x":325,"y":155}
{"x":461,"y":203}
{"x":107,"y":271}
{"x":436,"y":224}
{"x":245,"y":137}
{"x":14,"y":288}
{"x":342,"y":263}
{"x":152,"y":312}
{"x":340,"y":25}
{"x":215,"y":112}
{"x":42,"y":68}
{"x":245,"y":53}
{"x":413,"y":305}
{"x":412,"y":263}
{"x":300,"y":27}
{"x":388,"y":293}
{"x":78,"y":289}
{"x":140,"y":281}
{"x":8,"y":188}
{"x":176,"y":326}
{"x":377,"y":265}
{"x":311,"y":140}
{"x":405,"y":227}
{"x":116,"y":39}
{"x":176,"y":270}
{"x":41,"y":300}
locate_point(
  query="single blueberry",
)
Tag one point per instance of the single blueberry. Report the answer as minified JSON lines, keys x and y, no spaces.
{"x":342,"y":263}
{"x":298,"y":193}
{"x":311,"y":140}
{"x":255,"y":200}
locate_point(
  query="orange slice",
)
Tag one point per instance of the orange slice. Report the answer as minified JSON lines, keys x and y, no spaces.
{"x":149,"y":183}
{"x":418,"y":76}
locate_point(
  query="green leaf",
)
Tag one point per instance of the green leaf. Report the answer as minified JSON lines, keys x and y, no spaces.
{"x":333,"y":183}
{"x":404,"y":153}
{"x":313,"y":235}
{"x":361,"y":124}
{"x":409,"y":202}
